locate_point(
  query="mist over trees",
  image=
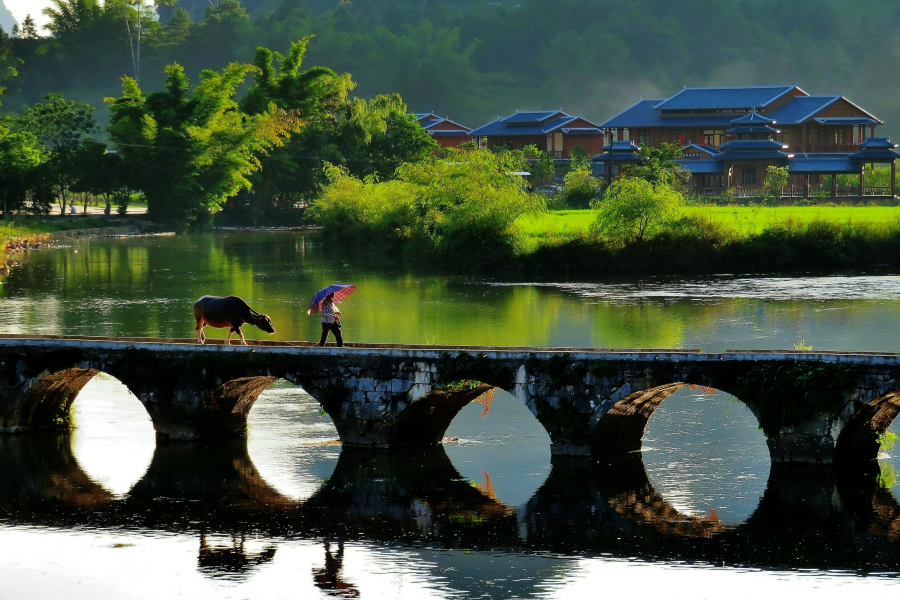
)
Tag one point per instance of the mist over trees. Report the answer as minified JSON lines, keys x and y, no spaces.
{"x":473,"y":60}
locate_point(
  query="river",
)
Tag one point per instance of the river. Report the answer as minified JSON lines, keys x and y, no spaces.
{"x":105,"y":512}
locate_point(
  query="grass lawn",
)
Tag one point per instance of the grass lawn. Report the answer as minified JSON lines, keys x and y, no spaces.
{"x":567,"y":224}
{"x":23,"y":227}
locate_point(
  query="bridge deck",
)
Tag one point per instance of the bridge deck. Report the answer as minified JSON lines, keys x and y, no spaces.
{"x":431,"y":350}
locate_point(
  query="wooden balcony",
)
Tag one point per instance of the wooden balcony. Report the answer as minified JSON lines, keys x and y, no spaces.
{"x":798,"y":191}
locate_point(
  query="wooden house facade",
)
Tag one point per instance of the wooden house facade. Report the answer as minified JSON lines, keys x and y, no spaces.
{"x":730,"y":136}
{"x":447,"y":133}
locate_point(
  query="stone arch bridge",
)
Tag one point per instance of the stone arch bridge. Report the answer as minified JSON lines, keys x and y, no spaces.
{"x":814,"y":407}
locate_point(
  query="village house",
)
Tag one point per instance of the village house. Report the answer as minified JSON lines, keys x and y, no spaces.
{"x":447,"y":133}
{"x":730,"y":136}
{"x":551,"y":131}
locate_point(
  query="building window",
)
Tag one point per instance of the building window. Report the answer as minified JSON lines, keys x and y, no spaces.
{"x":645,"y":137}
{"x":784,"y":137}
{"x":839,"y":136}
{"x":812,"y":136}
{"x":748,"y":176}
{"x":713,"y":137}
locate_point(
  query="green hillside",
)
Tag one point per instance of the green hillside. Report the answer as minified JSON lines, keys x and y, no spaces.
{"x":474,"y":60}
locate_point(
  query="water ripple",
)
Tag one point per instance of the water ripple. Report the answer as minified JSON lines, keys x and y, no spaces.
{"x":862,"y":287}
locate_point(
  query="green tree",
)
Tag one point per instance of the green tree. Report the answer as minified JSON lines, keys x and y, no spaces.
{"x":189,"y":150}
{"x":580,"y":161}
{"x":368,"y":137}
{"x":29,"y":29}
{"x":657,"y":166}
{"x":464,"y":206}
{"x":62,"y":126}
{"x":776,"y":179}
{"x":20,"y":155}
{"x":581,"y":188}
{"x":69,"y":18}
{"x":633,"y":208}
{"x":542,"y":165}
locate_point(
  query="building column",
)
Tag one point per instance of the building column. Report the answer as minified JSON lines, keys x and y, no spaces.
{"x":893,"y":178}
{"x":803,"y":137}
{"x":834,"y":185}
{"x":862,"y":181}
{"x":806,"y":186}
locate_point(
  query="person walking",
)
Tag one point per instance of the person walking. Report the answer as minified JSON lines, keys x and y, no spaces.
{"x":323,"y":302}
{"x":331,"y":321}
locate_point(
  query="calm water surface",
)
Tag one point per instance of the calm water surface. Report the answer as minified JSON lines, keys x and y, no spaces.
{"x":105,"y":512}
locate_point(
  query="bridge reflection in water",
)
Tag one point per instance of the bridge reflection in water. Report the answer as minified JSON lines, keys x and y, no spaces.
{"x":806,"y":517}
{"x":243,"y":505}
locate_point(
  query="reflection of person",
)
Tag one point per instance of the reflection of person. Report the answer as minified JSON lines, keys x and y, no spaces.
{"x":331,"y":321}
{"x":234,"y":559}
{"x":329,"y":578}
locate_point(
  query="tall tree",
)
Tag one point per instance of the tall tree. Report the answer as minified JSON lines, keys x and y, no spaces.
{"x":190,"y":150}
{"x":29,"y":29}
{"x":62,"y":126}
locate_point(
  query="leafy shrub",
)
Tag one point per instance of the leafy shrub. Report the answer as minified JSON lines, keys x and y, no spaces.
{"x":634,"y":208}
{"x":463,"y":205}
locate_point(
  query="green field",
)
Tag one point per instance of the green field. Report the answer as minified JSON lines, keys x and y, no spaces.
{"x":569,"y":224}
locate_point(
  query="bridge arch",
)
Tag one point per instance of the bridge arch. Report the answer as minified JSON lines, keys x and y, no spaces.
{"x":47,"y":403}
{"x":858,"y":442}
{"x":620,"y":428}
{"x":426,"y":419}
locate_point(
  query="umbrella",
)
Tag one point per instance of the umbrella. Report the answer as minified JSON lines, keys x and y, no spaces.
{"x":340,"y":291}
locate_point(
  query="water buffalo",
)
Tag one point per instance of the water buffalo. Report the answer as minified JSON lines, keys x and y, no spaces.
{"x":229,"y":311}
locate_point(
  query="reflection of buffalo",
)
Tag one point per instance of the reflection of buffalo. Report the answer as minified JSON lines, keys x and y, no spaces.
{"x":230,"y":560}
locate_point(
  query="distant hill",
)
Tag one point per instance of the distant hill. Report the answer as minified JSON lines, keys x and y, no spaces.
{"x":6,"y":18}
{"x":476,"y":59}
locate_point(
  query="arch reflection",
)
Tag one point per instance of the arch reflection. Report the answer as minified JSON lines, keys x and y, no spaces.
{"x":291,"y":444}
{"x":113,"y":438}
{"x":704,"y":453}
{"x":501,"y":447}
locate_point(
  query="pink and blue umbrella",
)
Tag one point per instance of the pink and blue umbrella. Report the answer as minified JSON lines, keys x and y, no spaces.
{"x":340,"y":291}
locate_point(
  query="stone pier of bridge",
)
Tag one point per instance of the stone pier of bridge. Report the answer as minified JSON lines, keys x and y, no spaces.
{"x":814,"y":407}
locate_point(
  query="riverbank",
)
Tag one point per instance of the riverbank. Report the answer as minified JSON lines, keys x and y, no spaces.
{"x":31,"y":234}
{"x":719,"y":239}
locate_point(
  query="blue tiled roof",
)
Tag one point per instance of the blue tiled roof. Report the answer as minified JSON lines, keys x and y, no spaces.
{"x":877,"y":143}
{"x":701,"y":166}
{"x":703,"y":147}
{"x":449,"y":132}
{"x":846,"y":121}
{"x":620,"y":157}
{"x":799,"y":109}
{"x":723,"y":98}
{"x":739,"y":155}
{"x":876,"y":154}
{"x":639,"y":114}
{"x":817,"y":163}
{"x":622,"y":146}
{"x":529,"y":117}
{"x":643,"y":114}
{"x":502,"y":127}
{"x":753,"y":118}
